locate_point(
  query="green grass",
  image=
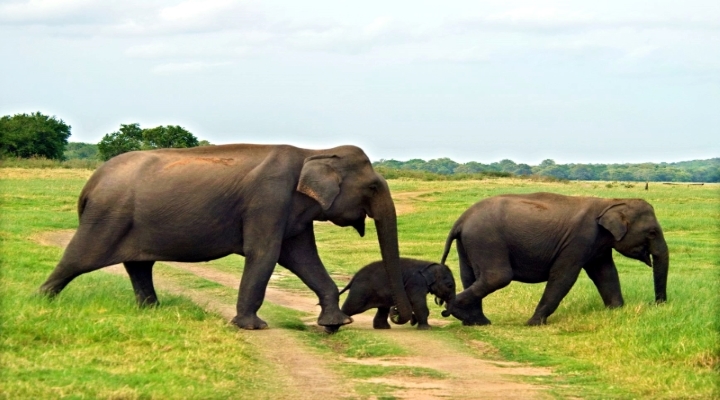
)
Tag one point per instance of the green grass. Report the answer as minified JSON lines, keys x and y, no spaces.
{"x":92,"y":341}
{"x":641,"y":350}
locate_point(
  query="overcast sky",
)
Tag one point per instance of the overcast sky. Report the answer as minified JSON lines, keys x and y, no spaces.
{"x":577,"y":82}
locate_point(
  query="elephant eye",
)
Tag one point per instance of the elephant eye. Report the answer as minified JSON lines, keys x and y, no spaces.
{"x":373,"y":187}
{"x":652,"y":234}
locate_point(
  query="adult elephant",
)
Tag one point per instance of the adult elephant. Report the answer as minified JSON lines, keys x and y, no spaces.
{"x":549,"y":237}
{"x":204,"y":203}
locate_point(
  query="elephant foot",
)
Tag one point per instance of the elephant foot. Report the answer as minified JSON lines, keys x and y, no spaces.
{"x":249,"y":322}
{"x":333,"y":318}
{"x":614,"y":303}
{"x":48,"y":292}
{"x":469,"y":316}
{"x":381,"y":325}
{"x":536,"y":321}
{"x":332,"y":329}
{"x":424,"y":327}
{"x":477,"y":322}
{"x":148,"y":302}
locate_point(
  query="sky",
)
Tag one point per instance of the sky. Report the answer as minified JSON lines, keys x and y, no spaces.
{"x":576,"y":82}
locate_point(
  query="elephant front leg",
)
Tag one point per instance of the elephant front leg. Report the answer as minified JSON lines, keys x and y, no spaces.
{"x":380,"y":321}
{"x":299,"y":255}
{"x":418,"y":300}
{"x":604,"y":275}
{"x":562,"y":278}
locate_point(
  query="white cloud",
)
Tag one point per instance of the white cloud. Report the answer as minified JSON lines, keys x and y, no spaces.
{"x":194,"y":10}
{"x":48,"y":11}
{"x":187,"y":67}
{"x":201,"y":47}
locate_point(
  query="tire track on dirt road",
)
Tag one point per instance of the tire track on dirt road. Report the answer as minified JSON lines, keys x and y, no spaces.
{"x":466,"y":376}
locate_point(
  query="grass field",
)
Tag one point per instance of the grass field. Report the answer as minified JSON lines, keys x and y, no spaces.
{"x":92,"y":342}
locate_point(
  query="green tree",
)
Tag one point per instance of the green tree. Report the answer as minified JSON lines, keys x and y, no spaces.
{"x":581,"y":172}
{"x":81,"y":151}
{"x":522,"y":169}
{"x":472,"y":167}
{"x":444,"y":166}
{"x":128,"y":138}
{"x":505,"y":165}
{"x":392,"y":164}
{"x":131,"y":137}
{"x":170,"y":136}
{"x":415,"y":164}
{"x":33,"y":135}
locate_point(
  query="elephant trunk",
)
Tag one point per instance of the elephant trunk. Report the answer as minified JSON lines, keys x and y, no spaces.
{"x":661,"y":262}
{"x":382,"y":210}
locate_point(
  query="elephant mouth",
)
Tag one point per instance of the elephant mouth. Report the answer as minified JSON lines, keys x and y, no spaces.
{"x":359,"y":226}
{"x":646,"y":259}
{"x":357,"y":223}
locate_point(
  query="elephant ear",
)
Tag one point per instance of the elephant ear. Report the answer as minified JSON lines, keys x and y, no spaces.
{"x":429,"y":274}
{"x":613,"y":219}
{"x":319,"y":180}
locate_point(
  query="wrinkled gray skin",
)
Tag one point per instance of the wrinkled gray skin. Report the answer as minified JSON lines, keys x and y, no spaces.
{"x":369,"y":289}
{"x":543,"y":237}
{"x":204,"y":203}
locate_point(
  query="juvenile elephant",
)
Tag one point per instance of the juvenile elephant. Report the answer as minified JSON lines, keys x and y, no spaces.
{"x":369,"y":289}
{"x":542,"y":237}
{"x":204,"y":203}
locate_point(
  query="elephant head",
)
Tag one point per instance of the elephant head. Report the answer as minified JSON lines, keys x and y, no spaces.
{"x":348,"y":189}
{"x":637,"y":234}
{"x":440,"y":283}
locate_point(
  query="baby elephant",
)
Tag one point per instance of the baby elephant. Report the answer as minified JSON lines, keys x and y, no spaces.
{"x":369,"y":288}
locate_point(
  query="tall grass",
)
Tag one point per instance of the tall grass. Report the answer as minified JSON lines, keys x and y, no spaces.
{"x":42,"y":162}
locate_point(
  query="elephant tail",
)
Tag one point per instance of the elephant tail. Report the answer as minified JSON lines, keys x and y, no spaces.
{"x":346,"y":288}
{"x":454,"y":234}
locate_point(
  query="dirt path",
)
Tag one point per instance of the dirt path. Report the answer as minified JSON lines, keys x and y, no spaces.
{"x":467,"y":377}
{"x":305,"y":374}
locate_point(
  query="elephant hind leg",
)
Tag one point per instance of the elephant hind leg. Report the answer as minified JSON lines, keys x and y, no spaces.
{"x":142,"y":281}
{"x":467,"y":275}
{"x":92,"y":247}
{"x":494,"y":272}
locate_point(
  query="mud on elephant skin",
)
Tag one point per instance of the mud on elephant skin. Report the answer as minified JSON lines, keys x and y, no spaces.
{"x":369,"y":289}
{"x":203,"y":203}
{"x":546,"y":237}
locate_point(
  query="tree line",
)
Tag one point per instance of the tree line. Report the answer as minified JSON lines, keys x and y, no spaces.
{"x":41,"y":136}
{"x":686,"y":171}
{"x":38,"y":135}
